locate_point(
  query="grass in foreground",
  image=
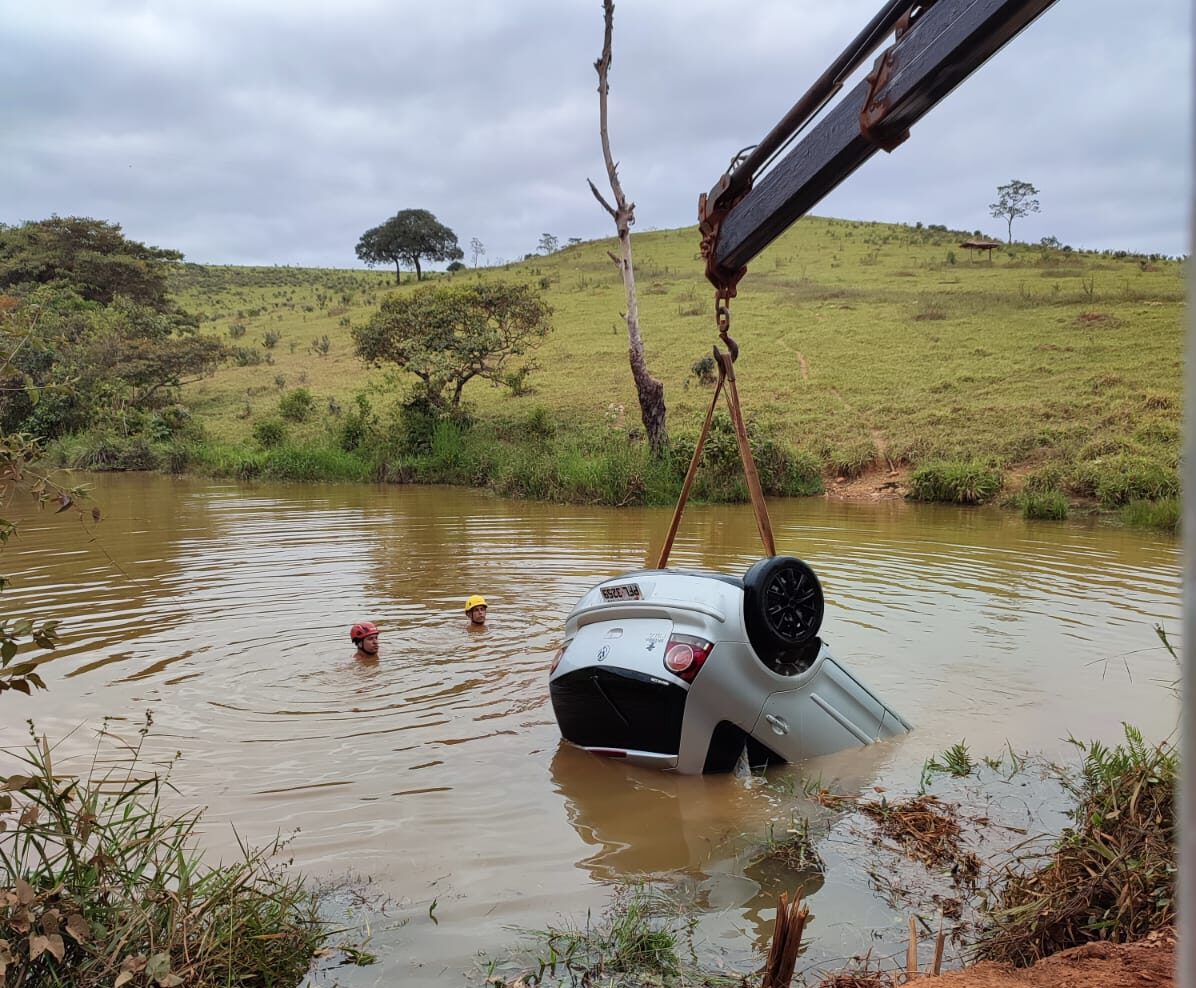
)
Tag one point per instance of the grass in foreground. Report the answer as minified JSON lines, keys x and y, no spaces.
{"x":100,"y":885}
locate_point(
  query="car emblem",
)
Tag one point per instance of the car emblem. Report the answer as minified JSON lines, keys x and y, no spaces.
{"x":603,"y":652}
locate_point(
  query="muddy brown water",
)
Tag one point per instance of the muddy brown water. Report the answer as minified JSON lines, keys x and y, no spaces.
{"x":437,"y":774}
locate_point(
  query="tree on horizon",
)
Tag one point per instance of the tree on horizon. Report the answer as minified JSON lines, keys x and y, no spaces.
{"x":405,"y":238}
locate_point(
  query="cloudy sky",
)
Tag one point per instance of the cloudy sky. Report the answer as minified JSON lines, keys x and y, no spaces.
{"x":272,"y":132}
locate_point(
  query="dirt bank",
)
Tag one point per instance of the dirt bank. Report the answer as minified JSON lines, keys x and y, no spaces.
{"x":874,"y":484}
{"x":1149,"y":963}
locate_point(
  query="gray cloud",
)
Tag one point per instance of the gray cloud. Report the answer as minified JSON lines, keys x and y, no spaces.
{"x":270,"y":132}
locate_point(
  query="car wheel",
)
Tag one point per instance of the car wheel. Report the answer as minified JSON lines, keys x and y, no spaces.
{"x":782,"y":607}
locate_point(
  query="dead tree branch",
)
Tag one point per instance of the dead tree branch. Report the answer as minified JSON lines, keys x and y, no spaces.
{"x":649,"y":389}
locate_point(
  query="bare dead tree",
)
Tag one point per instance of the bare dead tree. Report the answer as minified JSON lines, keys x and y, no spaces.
{"x":649,"y":390}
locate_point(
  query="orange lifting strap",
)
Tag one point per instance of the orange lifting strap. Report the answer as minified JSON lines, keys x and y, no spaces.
{"x":726,"y":376}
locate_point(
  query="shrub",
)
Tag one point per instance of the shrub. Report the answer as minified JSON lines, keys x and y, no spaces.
{"x":296,"y":405}
{"x":177,"y":457}
{"x":448,"y":446}
{"x":516,"y":381}
{"x":957,"y":482}
{"x":527,"y":473}
{"x":416,"y":422}
{"x":1162,"y":514}
{"x":270,"y":433}
{"x":244,"y":356}
{"x":359,"y":426}
{"x":270,"y":338}
{"x":783,"y":472}
{"x":540,"y":423}
{"x":236,"y":330}
{"x":852,"y":459}
{"x":1049,"y":505}
{"x":618,"y":473}
{"x":705,"y":369}
{"x":1046,"y":480}
{"x":1120,"y":479}
{"x":105,"y":450}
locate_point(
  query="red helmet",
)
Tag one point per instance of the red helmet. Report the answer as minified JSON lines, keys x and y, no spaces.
{"x":363,"y":630}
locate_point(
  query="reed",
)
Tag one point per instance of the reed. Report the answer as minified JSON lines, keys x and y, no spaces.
{"x":640,"y":939}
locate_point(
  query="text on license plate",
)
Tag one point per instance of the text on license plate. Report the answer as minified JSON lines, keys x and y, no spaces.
{"x":624,"y":591}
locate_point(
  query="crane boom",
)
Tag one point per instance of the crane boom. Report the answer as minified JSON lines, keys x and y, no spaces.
{"x":937,"y":45}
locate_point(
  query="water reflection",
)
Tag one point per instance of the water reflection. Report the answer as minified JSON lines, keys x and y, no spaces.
{"x":437,"y":770}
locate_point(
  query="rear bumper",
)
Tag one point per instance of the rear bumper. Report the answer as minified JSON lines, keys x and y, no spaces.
{"x":614,"y":710}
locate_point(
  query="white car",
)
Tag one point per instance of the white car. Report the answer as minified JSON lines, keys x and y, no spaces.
{"x":685,"y":670}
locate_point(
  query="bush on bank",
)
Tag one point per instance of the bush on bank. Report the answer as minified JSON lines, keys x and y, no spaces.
{"x":529,"y":456}
{"x":954,"y":481}
{"x":101,"y":885}
{"x":534,"y":456}
{"x":1162,"y":514}
{"x":1109,"y":876}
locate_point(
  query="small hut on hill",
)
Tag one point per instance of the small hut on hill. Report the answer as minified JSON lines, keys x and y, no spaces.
{"x":985,"y":245}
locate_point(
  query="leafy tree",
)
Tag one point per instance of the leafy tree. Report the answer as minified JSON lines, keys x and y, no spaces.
{"x":84,"y":364}
{"x":476,"y":248}
{"x":18,"y":669}
{"x":99,"y":335}
{"x":548,"y":244}
{"x":446,"y":335}
{"x":405,"y":238}
{"x":92,"y":256}
{"x":1015,"y":200}
{"x":19,"y":672}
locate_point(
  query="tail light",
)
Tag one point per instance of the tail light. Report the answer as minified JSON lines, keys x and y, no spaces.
{"x":556,"y":659}
{"x":685,"y":654}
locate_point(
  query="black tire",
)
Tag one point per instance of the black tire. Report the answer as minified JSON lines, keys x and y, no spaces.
{"x":782,"y":608}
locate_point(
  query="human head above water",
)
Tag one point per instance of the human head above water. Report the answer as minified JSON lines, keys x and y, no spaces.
{"x":475,"y":607}
{"x":364,"y":635}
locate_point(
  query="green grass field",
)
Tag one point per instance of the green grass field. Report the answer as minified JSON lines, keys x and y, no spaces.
{"x":862,"y":345}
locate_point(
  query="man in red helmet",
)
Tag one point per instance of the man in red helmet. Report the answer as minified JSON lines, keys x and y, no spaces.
{"x":364,"y":635}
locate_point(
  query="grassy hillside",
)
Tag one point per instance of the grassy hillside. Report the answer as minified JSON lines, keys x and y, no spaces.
{"x":861,"y":344}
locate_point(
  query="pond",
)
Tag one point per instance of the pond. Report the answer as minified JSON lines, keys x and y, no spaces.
{"x":438,"y":775}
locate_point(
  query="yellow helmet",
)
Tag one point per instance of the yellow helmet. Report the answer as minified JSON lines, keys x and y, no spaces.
{"x":477,"y":600}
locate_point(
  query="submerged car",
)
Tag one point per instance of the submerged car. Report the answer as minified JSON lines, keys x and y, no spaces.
{"x":687,"y":670}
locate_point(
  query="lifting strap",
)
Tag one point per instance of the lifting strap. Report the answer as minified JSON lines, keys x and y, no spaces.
{"x":726,"y":378}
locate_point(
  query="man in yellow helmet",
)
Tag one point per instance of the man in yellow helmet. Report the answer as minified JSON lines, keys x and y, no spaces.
{"x":475,"y":610}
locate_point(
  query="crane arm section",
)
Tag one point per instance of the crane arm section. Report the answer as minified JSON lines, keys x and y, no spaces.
{"x":937,"y":45}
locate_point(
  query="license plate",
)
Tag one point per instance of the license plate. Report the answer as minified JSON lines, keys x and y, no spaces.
{"x":624,"y":591}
